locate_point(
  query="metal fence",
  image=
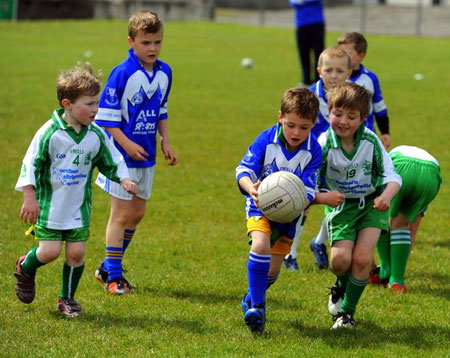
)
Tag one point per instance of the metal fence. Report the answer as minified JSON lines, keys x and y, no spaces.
{"x":396,"y":17}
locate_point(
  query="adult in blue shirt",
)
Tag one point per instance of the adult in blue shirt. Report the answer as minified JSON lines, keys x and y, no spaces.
{"x":310,"y":35}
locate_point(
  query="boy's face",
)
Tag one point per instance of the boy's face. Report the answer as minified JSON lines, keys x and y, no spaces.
{"x":356,"y":58}
{"x":82,"y":111}
{"x":333,"y":71}
{"x":146,"y":47}
{"x":295,"y":129}
{"x":345,"y":122}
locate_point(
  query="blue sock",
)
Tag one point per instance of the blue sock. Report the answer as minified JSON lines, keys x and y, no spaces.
{"x":127,"y":236}
{"x":258,"y":270}
{"x":113,"y":262}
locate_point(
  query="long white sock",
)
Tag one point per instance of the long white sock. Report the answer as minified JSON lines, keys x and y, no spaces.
{"x":298,"y":233}
{"x":322,"y":236}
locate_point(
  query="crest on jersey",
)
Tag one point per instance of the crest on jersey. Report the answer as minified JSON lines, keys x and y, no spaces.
{"x":137,"y":98}
{"x":367,"y":167}
{"x":111,"y":96}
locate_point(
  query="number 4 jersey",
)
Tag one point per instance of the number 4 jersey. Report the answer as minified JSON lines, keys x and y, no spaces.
{"x":59,"y":164}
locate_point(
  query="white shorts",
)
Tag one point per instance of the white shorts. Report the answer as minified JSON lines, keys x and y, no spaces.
{"x":143,"y":177}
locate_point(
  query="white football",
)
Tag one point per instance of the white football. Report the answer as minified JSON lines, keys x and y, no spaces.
{"x":247,"y":62}
{"x":282,"y":197}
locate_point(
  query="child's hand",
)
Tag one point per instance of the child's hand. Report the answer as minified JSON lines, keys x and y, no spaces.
{"x":381,"y":203}
{"x":254,"y":192}
{"x":129,"y":186}
{"x":168,"y":153}
{"x":334,"y":198}
{"x":135,"y":151}
{"x":29,"y":211}
{"x":386,"y":140}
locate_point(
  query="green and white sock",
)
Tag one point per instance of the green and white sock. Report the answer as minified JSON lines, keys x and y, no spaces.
{"x":384,"y":254}
{"x":31,"y":262}
{"x":400,"y":246}
{"x":353,"y":293}
{"x":70,"y":279}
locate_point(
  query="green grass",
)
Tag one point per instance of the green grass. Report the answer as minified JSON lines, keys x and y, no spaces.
{"x":189,"y":255}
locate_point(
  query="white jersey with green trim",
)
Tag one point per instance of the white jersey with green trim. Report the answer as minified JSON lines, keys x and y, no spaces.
{"x":360,"y":173}
{"x":413,"y":152}
{"x":59,"y":163}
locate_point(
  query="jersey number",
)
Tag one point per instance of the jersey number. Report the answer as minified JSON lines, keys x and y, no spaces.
{"x":76,"y":160}
{"x":351,"y":173}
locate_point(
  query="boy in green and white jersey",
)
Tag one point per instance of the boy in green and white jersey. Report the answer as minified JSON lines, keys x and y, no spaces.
{"x":355,"y":163}
{"x":56,"y":181}
{"x":421,"y":176}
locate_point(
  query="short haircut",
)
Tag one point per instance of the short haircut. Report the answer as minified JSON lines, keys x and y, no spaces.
{"x":144,"y":20}
{"x":300,"y":101}
{"x":78,"y":81}
{"x":350,"y":96}
{"x":356,"y":39}
{"x":334,"y":52}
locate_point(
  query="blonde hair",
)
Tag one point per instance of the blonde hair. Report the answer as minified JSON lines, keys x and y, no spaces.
{"x":356,"y":39}
{"x":350,"y":96}
{"x":78,"y":81}
{"x":334,"y":52}
{"x":144,"y":20}
{"x":300,"y":101}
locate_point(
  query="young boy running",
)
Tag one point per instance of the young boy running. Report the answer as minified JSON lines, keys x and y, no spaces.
{"x":334,"y":67}
{"x":355,"y":45}
{"x":421,"y":177}
{"x":356,"y":164}
{"x":56,"y":183}
{"x":288,"y":146}
{"x":133,"y":107}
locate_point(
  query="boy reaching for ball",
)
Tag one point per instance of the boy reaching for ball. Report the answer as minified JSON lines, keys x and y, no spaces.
{"x":287,"y":146}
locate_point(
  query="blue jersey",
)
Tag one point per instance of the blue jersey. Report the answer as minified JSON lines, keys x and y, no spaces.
{"x":369,"y":81}
{"x":268,"y":154}
{"x":134,"y":100}
{"x":308,"y":12}
{"x":323,"y":117}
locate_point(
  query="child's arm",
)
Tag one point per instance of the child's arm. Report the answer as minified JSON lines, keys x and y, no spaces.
{"x":250,"y":188}
{"x":30,"y":207}
{"x":383,"y":202}
{"x":134,"y":150}
{"x":330,"y":198}
{"x":163,"y":131}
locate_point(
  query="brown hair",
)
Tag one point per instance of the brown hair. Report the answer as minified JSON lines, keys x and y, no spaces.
{"x":350,"y":96}
{"x":300,"y":101}
{"x":78,"y":81}
{"x":356,"y":39}
{"x":144,"y":20}
{"x":334,"y":52}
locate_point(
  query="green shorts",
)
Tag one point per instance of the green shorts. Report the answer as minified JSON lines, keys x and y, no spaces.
{"x":353,"y":215}
{"x":72,"y":235}
{"x":421,"y":183}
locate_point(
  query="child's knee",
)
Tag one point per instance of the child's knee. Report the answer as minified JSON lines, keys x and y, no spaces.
{"x":75,"y":256}
{"x":47,"y":254}
{"x":340,"y":262}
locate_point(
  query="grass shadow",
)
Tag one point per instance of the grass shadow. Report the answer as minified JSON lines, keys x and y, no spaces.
{"x":368,"y":335}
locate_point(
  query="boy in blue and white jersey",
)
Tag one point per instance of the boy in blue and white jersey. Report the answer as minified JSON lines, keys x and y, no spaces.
{"x":56,"y":180}
{"x":355,"y":163}
{"x":287,"y":146}
{"x":355,"y":45}
{"x":334,"y":67}
{"x":133,"y":107}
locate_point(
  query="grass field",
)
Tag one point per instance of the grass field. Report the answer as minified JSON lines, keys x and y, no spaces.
{"x":189,"y":255}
